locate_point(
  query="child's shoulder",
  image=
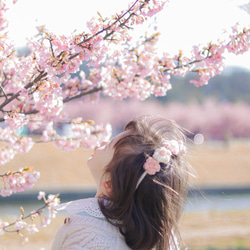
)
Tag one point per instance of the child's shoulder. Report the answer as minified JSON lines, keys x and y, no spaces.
{"x":85,"y":207}
{"x":86,"y":213}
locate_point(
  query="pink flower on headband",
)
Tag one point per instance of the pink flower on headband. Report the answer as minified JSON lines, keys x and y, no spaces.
{"x":151,"y":166}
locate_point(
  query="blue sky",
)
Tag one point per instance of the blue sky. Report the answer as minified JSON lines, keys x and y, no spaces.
{"x":182,"y":23}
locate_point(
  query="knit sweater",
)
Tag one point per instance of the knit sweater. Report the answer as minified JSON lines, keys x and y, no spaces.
{"x":87,"y":228}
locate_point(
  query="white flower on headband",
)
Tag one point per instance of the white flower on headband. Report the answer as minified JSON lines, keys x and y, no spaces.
{"x":151,"y":166}
{"x":176,"y":147}
{"x":162,"y":154}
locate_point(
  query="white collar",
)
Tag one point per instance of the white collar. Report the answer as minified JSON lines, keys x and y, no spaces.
{"x":89,"y":206}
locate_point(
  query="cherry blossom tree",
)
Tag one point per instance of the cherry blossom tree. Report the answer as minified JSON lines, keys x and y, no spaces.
{"x":35,"y":88}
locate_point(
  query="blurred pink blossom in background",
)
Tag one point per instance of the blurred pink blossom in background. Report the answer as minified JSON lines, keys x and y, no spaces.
{"x":213,"y":119}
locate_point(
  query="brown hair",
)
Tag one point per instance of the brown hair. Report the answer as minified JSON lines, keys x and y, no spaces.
{"x":146,"y":216}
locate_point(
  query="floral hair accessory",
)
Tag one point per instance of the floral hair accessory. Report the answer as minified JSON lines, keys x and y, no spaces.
{"x":151,"y":166}
{"x":162,"y":154}
{"x":176,"y":147}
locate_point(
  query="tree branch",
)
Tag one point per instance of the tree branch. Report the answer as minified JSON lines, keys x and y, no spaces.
{"x":38,"y":211}
{"x":65,"y":100}
{"x":94,"y":90}
{"x":28,"y":85}
{"x":107,"y":28}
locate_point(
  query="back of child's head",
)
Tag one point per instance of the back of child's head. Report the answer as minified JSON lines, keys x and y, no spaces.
{"x":147,"y":210}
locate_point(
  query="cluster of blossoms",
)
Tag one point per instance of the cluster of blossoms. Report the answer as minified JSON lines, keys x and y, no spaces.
{"x":139,"y":72}
{"x":19,"y":181}
{"x":35,"y":88}
{"x":240,"y":40}
{"x":13,"y":143}
{"x":81,"y":133}
{"x":35,"y":220}
{"x":51,"y":202}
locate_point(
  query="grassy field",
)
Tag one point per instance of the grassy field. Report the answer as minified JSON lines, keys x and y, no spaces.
{"x":216,"y":165}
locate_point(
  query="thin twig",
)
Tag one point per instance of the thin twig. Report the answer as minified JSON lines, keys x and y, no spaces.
{"x":94,"y":90}
{"x":2,"y":89}
{"x":38,"y":211}
{"x":51,"y":47}
{"x":106,"y":29}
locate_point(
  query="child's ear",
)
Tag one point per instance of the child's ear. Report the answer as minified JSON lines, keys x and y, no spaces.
{"x":107,"y":185}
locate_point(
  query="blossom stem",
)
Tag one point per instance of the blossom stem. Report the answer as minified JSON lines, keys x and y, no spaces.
{"x":70,"y":98}
{"x":38,"y":211}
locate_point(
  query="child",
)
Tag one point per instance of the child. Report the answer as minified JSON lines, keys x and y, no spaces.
{"x":142,"y":179}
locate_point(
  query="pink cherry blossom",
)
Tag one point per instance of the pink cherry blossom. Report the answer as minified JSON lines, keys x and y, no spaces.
{"x":15,"y":120}
{"x":19,"y":225}
{"x":45,"y":222}
{"x":240,"y":40}
{"x":31,"y":228}
{"x":19,"y":181}
{"x":2,"y":225}
{"x":25,"y":240}
{"x":6,"y":192}
{"x":151,"y":166}
{"x":25,"y":145}
{"x":41,"y":195}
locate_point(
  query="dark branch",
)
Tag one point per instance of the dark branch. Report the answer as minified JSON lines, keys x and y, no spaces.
{"x":94,"y":90}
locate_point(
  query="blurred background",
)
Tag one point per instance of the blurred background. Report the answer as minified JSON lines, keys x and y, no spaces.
{"x":217,"y":212}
